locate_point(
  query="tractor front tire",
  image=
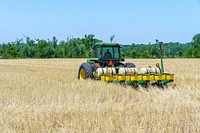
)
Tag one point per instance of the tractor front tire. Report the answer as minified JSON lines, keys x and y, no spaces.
{"x":129,"y":64}
{"x":85,"y":71}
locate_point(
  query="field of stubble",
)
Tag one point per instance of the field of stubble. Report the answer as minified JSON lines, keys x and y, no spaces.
{"x":44,"y":95}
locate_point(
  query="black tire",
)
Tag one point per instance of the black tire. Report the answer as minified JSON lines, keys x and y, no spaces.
{"x":129,"y":64}
{"x":121,"y":65}
{"x":94,"y":67}
{"x":87,"y":68}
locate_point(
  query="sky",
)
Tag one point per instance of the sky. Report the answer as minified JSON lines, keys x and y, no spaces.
{"x":131,"y":21}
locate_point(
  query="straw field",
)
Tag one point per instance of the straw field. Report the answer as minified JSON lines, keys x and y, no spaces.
{"x":44,"y":95}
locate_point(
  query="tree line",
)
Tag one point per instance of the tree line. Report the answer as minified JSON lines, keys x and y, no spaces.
{"x":82,"y":48}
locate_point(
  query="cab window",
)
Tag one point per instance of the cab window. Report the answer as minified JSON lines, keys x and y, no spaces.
{"x":110,"y":52}
{"x":116,"y":53}
{"x":97,"y":52}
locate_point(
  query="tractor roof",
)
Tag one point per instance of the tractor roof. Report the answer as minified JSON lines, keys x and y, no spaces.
{"x":106,"y":44}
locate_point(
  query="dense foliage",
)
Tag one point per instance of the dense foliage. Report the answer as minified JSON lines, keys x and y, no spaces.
{"x":82,"y":47}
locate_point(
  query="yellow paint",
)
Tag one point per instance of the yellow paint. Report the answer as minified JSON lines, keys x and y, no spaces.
{"x":163,"y":77}
{"x":103,"y":78}
{"x":121,"y":77}
{"x":152,"y":77}
{"x":170,"y":77}
{"x":128,"y":77}
{"x":134,"y":78}
{"x":108,"y":78}
{"x":146,"y":77}
{"x":158,"y":77}
{"x":140,"y":77}
{"x":82,"y":74}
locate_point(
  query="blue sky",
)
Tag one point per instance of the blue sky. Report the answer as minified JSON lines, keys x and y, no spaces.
{"x":131,"y":21}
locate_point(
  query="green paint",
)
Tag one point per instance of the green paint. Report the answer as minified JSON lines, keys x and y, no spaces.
{"x":162,"y":65}
{"x":116,"y":81}
{"x":92,"y":60}
{"x":129,"y":82}
{"x":167,"y":81}
{"x":106,"y":44}
{"x":140,"y":82}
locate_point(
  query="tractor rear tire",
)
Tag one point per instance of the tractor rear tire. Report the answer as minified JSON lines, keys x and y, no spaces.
{"x":85,"y":71}
{"x":129,"y":64}
{"x":94,"y":67}
{"x":121,"y":65}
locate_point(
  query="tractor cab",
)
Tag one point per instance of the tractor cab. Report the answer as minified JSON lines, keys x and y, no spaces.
{"x":105,"y":53}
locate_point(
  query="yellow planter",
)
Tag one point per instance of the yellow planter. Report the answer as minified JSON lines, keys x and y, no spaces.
{"x":163,"y":76}
{"x":108,"y":78}
{"x":140,"y":77}
{"x":152,"y":77}
{"x":128,"y":77}
{"x":134,"y":78}
{"x":170,"y":77}
{"x":115,"y":77}
{"x":158,"y":77}
{"x":146,"y":77}
{"x":103,"y":78}
{"x":121,"y":77}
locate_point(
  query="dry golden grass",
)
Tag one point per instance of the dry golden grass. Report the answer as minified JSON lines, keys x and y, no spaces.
{"x":45,"y":96}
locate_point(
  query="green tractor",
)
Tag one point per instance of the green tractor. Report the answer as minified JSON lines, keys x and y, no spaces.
{"x":106,"y":65}
{"x":105,"y":55}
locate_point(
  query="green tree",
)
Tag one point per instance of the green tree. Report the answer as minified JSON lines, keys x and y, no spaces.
{"x":11,"y":52}
{"x":44,"y":49}
{"x":154,"y":51}
{"x":196,"y":46}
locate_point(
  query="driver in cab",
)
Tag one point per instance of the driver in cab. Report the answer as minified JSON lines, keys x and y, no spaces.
{"x":108,"y":55}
